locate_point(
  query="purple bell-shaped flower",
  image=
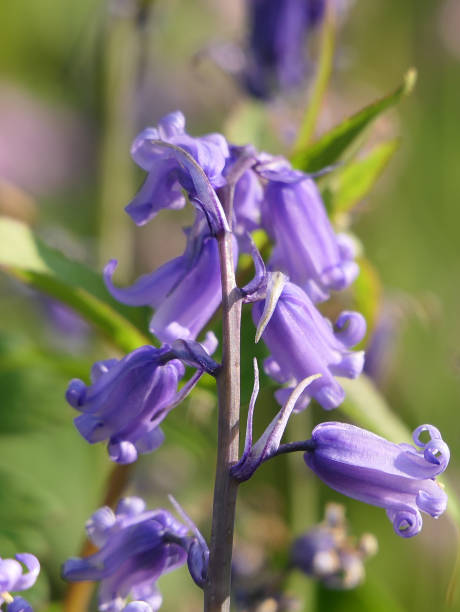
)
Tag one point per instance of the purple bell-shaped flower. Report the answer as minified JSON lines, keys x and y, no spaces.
{"x":136,"y":547}
{"x":397,"y":477}
{"x":302,"y":342}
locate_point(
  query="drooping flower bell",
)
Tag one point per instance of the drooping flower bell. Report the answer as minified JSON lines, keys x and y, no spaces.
{"x":126,"y":401}
{"x":185,"y":292}
{"x":277,"y":38}
{"x":306,"y":247}
{"x":136,"y":547}
{"x":175,"y":162}
{"x":13,"y":578}
{"x":397,"y":477}
{"x":302,"y":342}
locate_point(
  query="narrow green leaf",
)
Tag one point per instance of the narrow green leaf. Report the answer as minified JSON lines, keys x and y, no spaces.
{"x":365,"y":406}
{"x":323,"y":73}
{"x":349,"y":184}
{"x":27,"y":258}
{"x":334,"y":144}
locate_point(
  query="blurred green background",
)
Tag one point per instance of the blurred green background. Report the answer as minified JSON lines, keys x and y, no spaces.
{"x":77,"y":81}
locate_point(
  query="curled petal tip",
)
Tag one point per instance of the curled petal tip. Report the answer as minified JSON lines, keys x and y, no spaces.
{"x":407,"y":522}
{"x":75,"y":394}
{"x":350,"y":328}
{"x":123,"y":452}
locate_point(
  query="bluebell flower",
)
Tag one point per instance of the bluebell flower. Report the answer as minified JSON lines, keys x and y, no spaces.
{"x":185,"y":292}
{"x":126,"y":401}
{"x":397,"y":477}
{"x":13,"y":578}
{"x":302,"y":343}
{"x":136,"y":547}
{"x":277,"y":43}
{"x":306,"y":247}
{"x":175,"y":162}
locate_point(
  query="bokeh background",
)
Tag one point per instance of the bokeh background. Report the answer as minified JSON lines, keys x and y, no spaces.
{"x":77,"y":81}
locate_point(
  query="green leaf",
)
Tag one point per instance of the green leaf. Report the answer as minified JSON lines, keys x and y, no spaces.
{"x":365,"y":405}
{"x":24,"y":256}
{"x":323,"y":73}
{"x":349,"y":184}
{"x":333,"y":145}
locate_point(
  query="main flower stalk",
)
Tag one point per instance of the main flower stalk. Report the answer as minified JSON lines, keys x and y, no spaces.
{"x":217,"y":588}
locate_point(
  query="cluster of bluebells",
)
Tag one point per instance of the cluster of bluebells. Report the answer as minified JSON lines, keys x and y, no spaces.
{"x":326,"y":552}
{"x":13,"y":578}
{"x":128,"y":399}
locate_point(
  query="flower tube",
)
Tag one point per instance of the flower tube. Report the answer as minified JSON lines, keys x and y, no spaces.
{"x":397,"y":477}
{"x":306,"y":247}
{"x":126,"y":401}
{"x":185,"y":292}
{"x":302,"y":342}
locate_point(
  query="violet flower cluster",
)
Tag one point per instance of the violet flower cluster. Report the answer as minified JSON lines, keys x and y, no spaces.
{"x":136,"y":547}
{"x":268,"y":194}
{"x":129,"y":398}
{"x":235,"y":190}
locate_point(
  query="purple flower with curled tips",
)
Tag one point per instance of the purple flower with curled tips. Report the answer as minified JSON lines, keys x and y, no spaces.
{"x":302,"y":342}
{"x":306,"y":247}
{"x":397,"y":477}
{"x":175,"y":162}
{"x":185,"y":292}
{"x":136,"y":547}
{"x":127,"y":400}
{"x":13,"y":578}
